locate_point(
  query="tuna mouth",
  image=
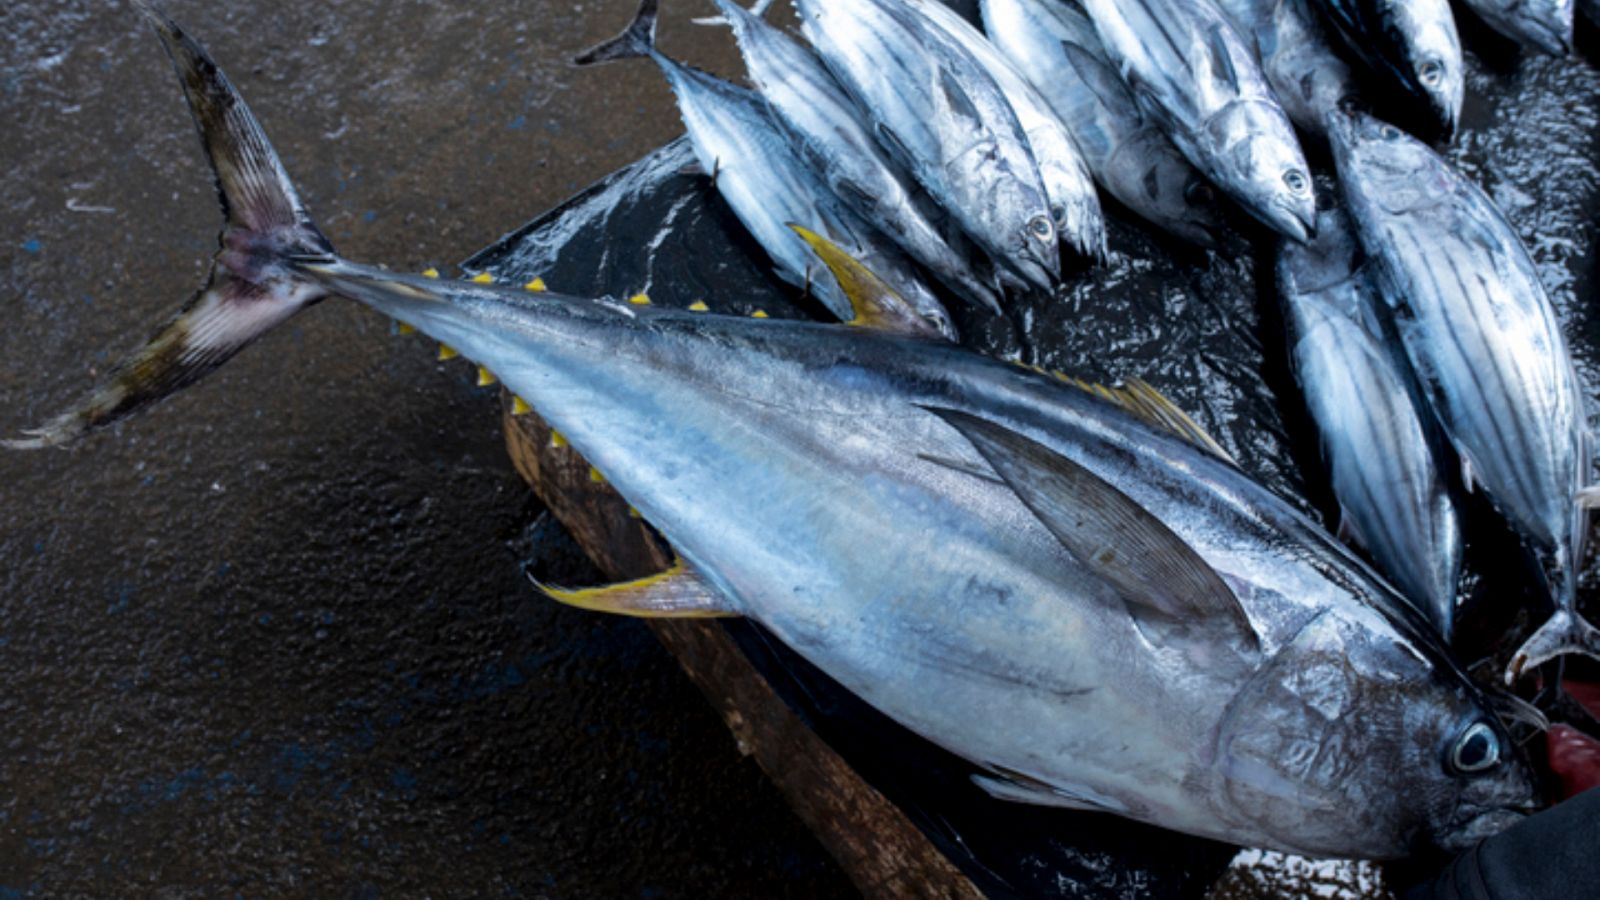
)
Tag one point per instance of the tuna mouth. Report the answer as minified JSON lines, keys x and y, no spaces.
{"x":1291,"y":220}
{"x":1469,"y":830}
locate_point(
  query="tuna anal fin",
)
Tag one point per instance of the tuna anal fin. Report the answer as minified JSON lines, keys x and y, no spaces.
{"x":877,"y":305}
{"x":1137,"y":398}
{"x":1167,"y":587}
{"x":677,"y":593}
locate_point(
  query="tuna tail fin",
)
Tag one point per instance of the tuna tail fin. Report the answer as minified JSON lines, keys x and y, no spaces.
{"x":1562,"y":634}
{"x":251,"y":288}
{"x":638,"y":39}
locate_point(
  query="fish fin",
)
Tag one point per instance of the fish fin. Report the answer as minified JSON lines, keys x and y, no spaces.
{"x":1347,"y":532}
{"x":1160,"y":578}
{"x":1589,"y":498}
{"x":896,"y":147}
{"x":1221,"y":57}
{"x":250,"y":288}
{"x":677,"y":593}
{"x":1014,"y":788}
{"x":1468,"y":481}
{"x":730,"y":9}
{"x":635,"y":41}
{"x":960,"y":465}
{"x":1563,"y":634}
{"x":955,"y":96}
{"x":876,"y":305}
{"x":1142,"y":401}
{"x":1102,"y":81}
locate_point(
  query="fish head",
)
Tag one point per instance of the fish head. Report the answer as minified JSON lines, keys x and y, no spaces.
{"x":1382,"y":170}
{"x":1263,"y":167}
{"x":1154,"y":179}
{"x":1433,"y":67}
{"x":1352,"y":741}
{"x":1032,"y":247}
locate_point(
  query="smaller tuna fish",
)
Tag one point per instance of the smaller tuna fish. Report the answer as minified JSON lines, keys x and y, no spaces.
{"x":1055,"y":45}
{"x":1393,"y":498}
{"x":1543,"y":25}
{"x":830,"y":135}
{"x":763,"y":181}
{"x":939,"y":114}
{"x":1414,"y":42}
{"x":1487,"y":348}
{"x":1073,"y":202}
{"x":1191,"y":72}
{"x":1296,"y":54}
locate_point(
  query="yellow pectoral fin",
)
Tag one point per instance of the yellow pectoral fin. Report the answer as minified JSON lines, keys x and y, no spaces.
{"x":876,"y":304}
{"x":677,"y":593}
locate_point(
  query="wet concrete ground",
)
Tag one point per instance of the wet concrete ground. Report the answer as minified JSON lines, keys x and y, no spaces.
{"x":273,"y":637}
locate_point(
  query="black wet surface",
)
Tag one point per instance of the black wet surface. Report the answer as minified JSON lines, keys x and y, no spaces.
{"x":273,"y":636}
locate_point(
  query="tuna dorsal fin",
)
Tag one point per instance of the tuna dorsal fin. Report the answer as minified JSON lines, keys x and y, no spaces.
{"x":1137,"y":398}
{"x":876,"y":304}
{"x":1168,"y":589}
{"x":1102,"y":80}
{"x":677,"y":593}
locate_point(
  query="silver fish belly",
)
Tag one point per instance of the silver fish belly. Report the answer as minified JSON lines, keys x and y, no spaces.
{"x":1375,"y":440}
{"x":1073,"y":202}
{"x":1056,"y":46}
{"x":1297,"y":57}
{"x":942,"y":116}
{"x":1485,"y":343}
{"x":1190,"y":71}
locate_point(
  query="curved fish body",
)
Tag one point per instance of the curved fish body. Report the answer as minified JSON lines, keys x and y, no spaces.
{"x":1485,"y":343}
{"x":1413,"y":42}
{"x":1056,"y":46}
{"x":1074,"y":205}
{"x":1190,"y":71}
{"x":1375,"y":438}
{"x":1098,"y":613}
{"x":939,"y":114}
{"x":1297,"y":57}
{"x":1542,"y":25}
{"x":765,"y":182}
{"x":832,"y":138}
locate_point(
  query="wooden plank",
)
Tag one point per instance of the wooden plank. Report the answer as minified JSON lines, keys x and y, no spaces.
{"x":878,"y":847}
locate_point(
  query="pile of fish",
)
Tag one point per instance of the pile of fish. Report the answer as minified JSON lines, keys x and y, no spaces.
{"x":1069,"y":585}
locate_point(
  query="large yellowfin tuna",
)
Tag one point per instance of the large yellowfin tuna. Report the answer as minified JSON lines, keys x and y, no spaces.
{"x":1096,"y":612}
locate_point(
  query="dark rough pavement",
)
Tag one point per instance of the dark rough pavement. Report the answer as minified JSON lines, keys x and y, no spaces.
{"x":273,"y":638}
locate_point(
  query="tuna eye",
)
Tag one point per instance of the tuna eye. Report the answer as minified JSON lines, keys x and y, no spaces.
{"x":1041,"y":228}
{"x":1476,"y":750}
{"x":1198,"y":193}
{"x":1296,"y":180}
{"x":1431,"y":73}
{"x":1389,"y":133}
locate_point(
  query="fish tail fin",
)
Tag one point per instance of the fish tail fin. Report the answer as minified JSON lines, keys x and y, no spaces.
{"x":637,"y":40}
{"x":731,"y":10}
{"x":1564,"y":634}
{"x":252,"y":286}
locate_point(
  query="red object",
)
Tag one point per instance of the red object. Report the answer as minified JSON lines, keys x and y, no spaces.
{"x":1587,"y":695}
{"x":1575,"y":758}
